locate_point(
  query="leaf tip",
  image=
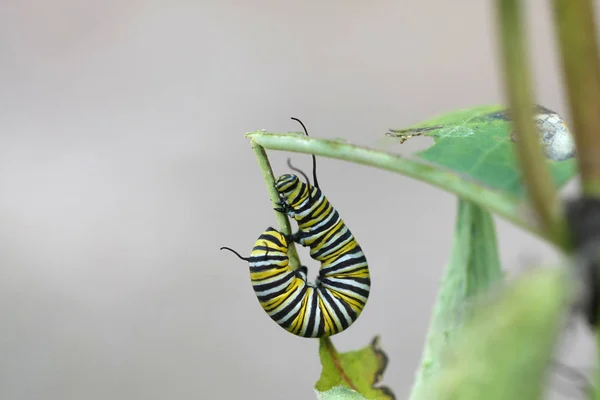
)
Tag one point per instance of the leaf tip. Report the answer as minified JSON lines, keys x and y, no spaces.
{"x":382,"y":359}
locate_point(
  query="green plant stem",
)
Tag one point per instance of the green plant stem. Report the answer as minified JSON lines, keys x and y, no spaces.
{"x":449,"y":181}
{"x":578,"y":46}
{"x":282,"y":219}
{"x":536,"y":175}
{"x":577,"y":39}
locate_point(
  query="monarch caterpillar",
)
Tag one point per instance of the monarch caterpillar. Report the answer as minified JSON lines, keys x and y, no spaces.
{"x":320,"y":226}
{"x":340,"y":292}
{"x":306,"y":309}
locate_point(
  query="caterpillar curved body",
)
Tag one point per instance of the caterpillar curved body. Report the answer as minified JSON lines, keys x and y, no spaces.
{"x":340,"y":292}
{"x":311,"y":310}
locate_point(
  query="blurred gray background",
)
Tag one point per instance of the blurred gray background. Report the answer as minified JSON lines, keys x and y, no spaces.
{"x":124,"y":168}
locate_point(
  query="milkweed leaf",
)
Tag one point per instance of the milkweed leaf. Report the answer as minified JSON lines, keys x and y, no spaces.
{"x":352,"y":374}
{"x":479,"y":143}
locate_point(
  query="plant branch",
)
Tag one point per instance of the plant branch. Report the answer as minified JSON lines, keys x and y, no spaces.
{"x":578,"y":46}
{"x":282,"y":219}
{"x":447,"y":180}
{"x":536,"y":176}
{"x":576,"y":35}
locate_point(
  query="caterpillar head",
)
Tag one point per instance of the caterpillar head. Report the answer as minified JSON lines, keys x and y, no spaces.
{"x":291,"y":189}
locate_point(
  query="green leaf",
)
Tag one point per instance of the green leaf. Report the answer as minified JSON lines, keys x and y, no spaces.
{"x":479,"y":143}
{"x":505,"y":347}
{"x":474,"y":266}
{"x":354,"y":374}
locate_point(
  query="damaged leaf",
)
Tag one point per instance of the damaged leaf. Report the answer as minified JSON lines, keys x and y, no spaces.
{"x":354,"y":374}
{"x":479,"y":143}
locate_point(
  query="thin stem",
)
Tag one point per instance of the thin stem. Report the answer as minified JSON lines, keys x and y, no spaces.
{"x":501,"y":204}
{"x":536,"y":175}
{"x":577,"y":39}
{"x":282,"y":220}
{"x":576,"y":36}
